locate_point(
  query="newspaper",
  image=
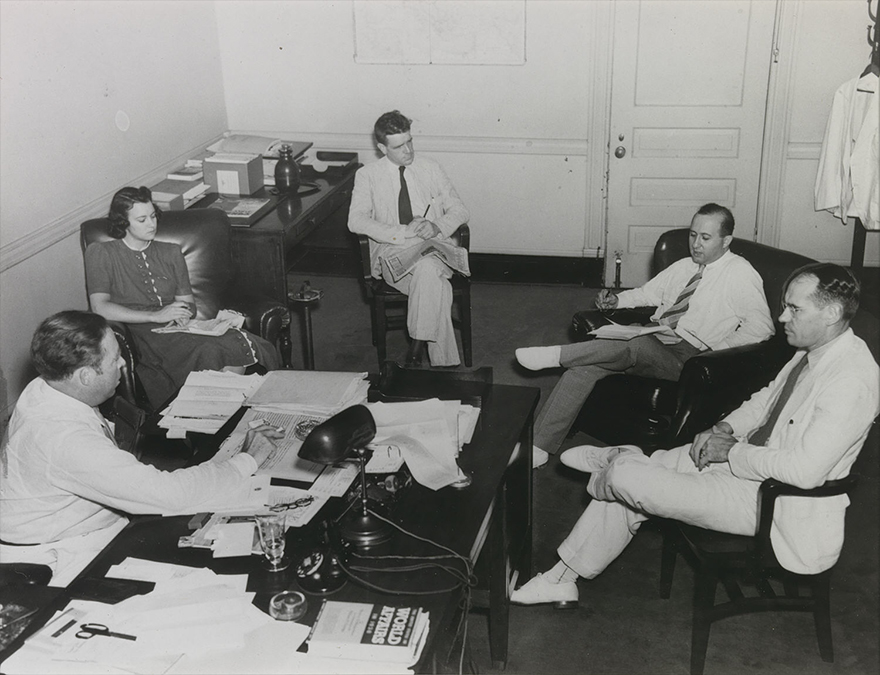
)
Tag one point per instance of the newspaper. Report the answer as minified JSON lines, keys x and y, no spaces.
{"x":455,"y":257}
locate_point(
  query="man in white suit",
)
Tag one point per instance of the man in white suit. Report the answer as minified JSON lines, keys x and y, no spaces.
{"x":804,"y":428}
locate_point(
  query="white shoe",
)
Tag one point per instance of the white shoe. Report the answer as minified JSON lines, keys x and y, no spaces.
{"x":592,"y":458}
{"x":538,"y":358}
{"x":539,"y":457}
{"x":539,"y":591}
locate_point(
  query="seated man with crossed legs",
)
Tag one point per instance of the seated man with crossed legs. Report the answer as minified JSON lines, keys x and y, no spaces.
{"x":804,"y":428}
{"x":712,"y":300}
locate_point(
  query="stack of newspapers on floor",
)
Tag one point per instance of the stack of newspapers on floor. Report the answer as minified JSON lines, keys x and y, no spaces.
{"x":196,"y":621}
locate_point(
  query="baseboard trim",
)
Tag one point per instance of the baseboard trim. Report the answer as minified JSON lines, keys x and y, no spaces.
{"x":485,"y":267}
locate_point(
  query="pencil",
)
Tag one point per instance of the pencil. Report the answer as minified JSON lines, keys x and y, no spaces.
{"x":427,"y":208}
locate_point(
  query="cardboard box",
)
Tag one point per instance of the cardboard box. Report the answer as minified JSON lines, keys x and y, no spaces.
{"x":234,"y":174}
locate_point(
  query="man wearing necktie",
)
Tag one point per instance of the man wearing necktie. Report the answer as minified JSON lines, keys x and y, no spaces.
{"x":64,"y":484}
{"x":804,"y":428}
{"x":399,"y":201}
{"x":712,"y":300}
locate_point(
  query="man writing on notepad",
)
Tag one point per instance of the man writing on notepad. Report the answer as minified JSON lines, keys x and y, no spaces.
{"x":712,"y":300}
{"x":397,"y":202}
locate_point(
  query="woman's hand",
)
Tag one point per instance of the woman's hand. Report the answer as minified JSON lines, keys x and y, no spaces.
{"x":178,"y":311}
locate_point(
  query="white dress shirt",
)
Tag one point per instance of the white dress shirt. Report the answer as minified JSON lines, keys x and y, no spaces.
{"x":727,"y":309}
{"x":848,"y":178}
{"x":61,"y":476}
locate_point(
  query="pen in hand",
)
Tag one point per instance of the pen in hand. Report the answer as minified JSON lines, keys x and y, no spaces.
{"x":427,"y":208}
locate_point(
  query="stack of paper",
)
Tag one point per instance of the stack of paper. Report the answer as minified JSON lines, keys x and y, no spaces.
{"x":309,"y":392}
{"x":190,"y":611}
{"x":206,"y":401}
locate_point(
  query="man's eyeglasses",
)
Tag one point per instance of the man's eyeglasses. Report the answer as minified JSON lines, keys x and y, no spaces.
{"x":295,"y":504}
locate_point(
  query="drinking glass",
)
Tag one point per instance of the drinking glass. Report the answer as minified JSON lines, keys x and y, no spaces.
{"x":271,"y":531}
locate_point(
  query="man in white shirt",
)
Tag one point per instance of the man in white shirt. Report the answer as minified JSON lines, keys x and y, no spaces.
{"x":712,"y":300}
{"x":64,"y":483}
{"x":804,"y":428}
{"x":397,"y":202}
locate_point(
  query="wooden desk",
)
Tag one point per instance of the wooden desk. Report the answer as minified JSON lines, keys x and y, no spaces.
{"x":260,"y":252}
{"x":489,"y":522}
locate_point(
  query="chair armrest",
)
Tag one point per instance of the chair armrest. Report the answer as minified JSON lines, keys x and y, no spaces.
{"x":590,"y":319}
{"x":32,"y":574}
{"x":771,"y":489}
{"x":462,"y":236}
{"x":714,"y":383}
{"x":264,"y":316}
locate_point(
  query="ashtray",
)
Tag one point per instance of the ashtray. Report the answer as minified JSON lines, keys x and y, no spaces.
{"x":304,"y":428}
{"x":288,"y":606}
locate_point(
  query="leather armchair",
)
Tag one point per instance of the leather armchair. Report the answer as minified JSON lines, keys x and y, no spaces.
{"x":654,"y":413}
{"x":204,"y":237}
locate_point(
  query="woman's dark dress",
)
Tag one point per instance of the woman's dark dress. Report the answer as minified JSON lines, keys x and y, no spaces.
{"x":148,"y":280}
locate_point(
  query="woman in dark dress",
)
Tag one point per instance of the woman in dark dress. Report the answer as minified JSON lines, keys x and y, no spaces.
{"x":145,"y":284}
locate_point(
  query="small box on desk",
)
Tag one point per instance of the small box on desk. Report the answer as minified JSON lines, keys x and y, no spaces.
{"x":234,"y":174}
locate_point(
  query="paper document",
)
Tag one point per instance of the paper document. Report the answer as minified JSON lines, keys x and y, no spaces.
{"x":616,"y":331}
{"x":284,"y":462}
{"x":455,"y":257}
{"x":310,"y":392}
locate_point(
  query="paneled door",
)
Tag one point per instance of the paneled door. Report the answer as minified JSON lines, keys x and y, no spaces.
{"x":689,"y":89}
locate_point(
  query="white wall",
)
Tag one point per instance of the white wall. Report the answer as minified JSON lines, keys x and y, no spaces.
{"x":67,"y":71}
{"x":512,"y":138}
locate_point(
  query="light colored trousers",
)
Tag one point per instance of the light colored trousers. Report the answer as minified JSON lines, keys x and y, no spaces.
{"x":429,"y":309}
{"x":587,"y":363}
{"x":665,"y":484}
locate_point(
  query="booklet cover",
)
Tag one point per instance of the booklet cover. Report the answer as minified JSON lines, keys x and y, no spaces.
{"x":359,"y":630}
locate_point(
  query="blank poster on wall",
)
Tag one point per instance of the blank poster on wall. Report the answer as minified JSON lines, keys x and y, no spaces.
{"x":447,"y":32}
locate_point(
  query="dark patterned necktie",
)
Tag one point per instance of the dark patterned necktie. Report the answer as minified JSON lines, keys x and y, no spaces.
{"x":762,"y":433}
{"x":404,"y":208}
{"x":678,"y":309}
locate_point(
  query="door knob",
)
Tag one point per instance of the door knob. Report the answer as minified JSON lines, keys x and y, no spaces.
{"x":620,"y":151}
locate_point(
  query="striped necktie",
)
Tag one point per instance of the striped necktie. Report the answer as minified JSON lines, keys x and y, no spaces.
{"x":678,"y":309}
{"x":762,"y":433}
{"x":404,"y":208}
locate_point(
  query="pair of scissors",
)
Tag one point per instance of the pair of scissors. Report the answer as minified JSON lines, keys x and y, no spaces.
{"x":89,"y":630}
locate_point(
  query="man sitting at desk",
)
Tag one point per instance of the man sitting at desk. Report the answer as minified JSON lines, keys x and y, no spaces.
{"x":804,"y":428}
{"x":64,"y":483}
{"x":397,"y":202}
{"x":712,"y":300}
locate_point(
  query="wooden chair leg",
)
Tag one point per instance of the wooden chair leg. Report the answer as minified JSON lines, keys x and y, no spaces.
{"x":704,"y":600}
{"x":667,"y":564}
{"x":822,"y":615}
{"x":381,"y":329}
{"x":464,"y":307}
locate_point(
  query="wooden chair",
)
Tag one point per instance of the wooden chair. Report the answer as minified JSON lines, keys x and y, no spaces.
{"x":388,"y":305}
{"x":735,"y":561}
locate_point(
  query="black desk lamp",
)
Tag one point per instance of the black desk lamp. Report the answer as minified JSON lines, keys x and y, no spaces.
{"x":343,"y":436}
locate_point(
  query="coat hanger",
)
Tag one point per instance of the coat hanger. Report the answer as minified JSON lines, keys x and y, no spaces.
{"x":873,"y":37}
